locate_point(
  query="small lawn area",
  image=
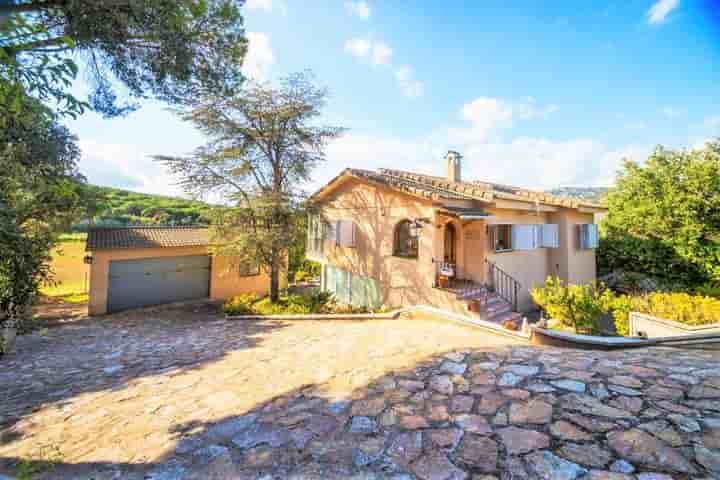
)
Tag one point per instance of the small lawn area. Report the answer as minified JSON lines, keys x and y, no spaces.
{"x":70,"y":274}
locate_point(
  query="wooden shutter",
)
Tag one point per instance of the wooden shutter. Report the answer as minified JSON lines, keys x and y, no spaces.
{"x":490,"y":231}
{"x":524,"y":237}
{"x":550,"y":235}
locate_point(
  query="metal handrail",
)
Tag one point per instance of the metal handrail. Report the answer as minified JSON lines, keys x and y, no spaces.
{"x":503,"y":284}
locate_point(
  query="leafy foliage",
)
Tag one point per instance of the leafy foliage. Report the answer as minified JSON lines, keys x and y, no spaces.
{"x":251,"y":304}
{"x":263,"y":147}
{"x":41,"y":192}
{"x":664,"y":218}
{"x":123,"y":207}
{"x":679,"y":307}
{"x":170,"y":49}
{"x":576,"y":306}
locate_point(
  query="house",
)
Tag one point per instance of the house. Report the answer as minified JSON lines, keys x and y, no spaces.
{"x":139,"y":266}
{"x":400,"y":238}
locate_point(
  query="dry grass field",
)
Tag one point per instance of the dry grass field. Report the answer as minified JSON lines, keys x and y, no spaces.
{"x":70,"y":273}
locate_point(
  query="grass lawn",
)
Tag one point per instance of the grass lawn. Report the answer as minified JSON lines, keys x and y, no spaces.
{"x":70,"y":274}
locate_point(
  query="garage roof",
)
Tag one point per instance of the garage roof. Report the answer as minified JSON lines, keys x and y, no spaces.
{"x":146,"y":237}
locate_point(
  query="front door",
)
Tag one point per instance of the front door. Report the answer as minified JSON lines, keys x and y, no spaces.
{"x":450,"y":251}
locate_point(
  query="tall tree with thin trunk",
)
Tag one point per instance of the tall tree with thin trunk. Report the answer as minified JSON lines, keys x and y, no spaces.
{"x":264,"y":145}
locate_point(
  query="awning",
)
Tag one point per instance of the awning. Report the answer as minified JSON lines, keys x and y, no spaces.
{"x":465,"y":213}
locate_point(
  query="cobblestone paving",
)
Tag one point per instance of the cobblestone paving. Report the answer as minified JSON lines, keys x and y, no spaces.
{"x":404,"y":399}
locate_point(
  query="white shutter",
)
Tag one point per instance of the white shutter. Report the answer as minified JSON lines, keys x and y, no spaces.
{"x":588,"y":236}
{"x":332,"y":232}
{"x":346,"y":233}
{"x":594,"y":236}
{"x":550,"y":235}
{"x":524,"y":237}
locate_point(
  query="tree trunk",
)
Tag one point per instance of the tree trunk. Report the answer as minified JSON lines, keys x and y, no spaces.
{"x":275,"y":279}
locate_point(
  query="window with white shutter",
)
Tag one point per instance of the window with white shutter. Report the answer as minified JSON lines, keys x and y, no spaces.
{"x":550,"y":235}
{"x":524,"y":237}
{"x":588,"y":236}
{"x":347,"y":233}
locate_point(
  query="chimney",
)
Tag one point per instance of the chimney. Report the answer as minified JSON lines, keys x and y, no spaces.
{"x":453,"y":166}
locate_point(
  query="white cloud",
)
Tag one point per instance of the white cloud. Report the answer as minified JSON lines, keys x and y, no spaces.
{"x":359,"y":9}
{"x":532,"y":162}
{"x":660,"y":10}
{"x":671,"y":112}
{"x":125,"y":166}
{"x":382,"y":54}
{"x":259,"y":57}
{"x":358,"y":47}
{"x":267,"y":5}
{"x":487,"y":115}
{"x":409,"y":85}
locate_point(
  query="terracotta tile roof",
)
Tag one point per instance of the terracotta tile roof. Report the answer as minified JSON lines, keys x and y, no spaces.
{"x":146,"y":237}
{"x":440,"y":188}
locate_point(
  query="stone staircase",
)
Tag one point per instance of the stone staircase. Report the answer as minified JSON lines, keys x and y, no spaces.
{"x":487,"y":305}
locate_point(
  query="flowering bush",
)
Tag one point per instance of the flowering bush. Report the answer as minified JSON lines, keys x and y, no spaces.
{"x":679,"y":307}
{"x":576,"y":306}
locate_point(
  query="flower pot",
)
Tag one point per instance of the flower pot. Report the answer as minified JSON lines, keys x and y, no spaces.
{"x":7,"y":341}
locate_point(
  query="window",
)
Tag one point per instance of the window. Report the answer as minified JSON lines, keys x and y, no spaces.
{"x":249,"y":268}
{"x":316,"y":234}
{"x":588,"y":237}
{"x":405,"y":243}
{"x":550,"y":235}
{"x":346,"y":234}
{"x":502,"y":238}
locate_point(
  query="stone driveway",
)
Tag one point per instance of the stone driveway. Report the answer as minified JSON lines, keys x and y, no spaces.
{"x":181,"y":394}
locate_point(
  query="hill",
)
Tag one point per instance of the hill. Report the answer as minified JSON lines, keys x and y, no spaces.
{"x":592,"y":194}
{"x":123,"y":207}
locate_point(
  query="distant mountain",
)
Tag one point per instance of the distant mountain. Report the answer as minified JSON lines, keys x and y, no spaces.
{"x":592,"y":194}
{"x":124,"y":207}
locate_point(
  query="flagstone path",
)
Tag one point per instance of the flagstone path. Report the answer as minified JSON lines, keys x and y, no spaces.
{"x":183,"y":395}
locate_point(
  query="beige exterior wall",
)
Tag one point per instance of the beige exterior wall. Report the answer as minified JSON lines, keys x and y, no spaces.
{"x":225,"y":280}
{"x":377,"y":209}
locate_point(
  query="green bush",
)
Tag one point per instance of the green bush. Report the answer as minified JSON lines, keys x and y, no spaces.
{"x":301,"y":276}
{"x":241,"y":304}
{"x":251,"y":304}
{"x":679,"y":307}
{"x":576,"y":306}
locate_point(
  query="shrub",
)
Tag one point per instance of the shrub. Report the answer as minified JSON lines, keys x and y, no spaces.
{"x":576,"y":306}
{"x":301,"y":276}
{"x":241,"y":304}
{"x":251,"y":304}
{"x":679,"y":307}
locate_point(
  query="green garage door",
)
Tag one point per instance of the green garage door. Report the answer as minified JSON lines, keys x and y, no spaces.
{"x":154,"y":281}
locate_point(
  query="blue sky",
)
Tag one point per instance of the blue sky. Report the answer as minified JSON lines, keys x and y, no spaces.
{"x":538,"y":94}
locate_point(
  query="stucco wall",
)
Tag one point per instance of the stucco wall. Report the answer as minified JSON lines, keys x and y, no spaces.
{"x":376,"y":211}
{"x":528,"y":267}
{"x":225,"y":280}
{"x":569,"y":262}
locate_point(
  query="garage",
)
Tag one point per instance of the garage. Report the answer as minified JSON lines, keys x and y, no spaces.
{"x":152,"y":281}
{"x":140,"y":266}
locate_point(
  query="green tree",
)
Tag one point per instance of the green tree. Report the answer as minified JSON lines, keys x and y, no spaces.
{"x":664,"y":217}
{"x":264,"y":145}
{"x":169,"y":49}
{"x":41,"y":192}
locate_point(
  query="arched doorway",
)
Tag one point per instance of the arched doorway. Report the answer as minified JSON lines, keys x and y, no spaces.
{"x":450,"y":244}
